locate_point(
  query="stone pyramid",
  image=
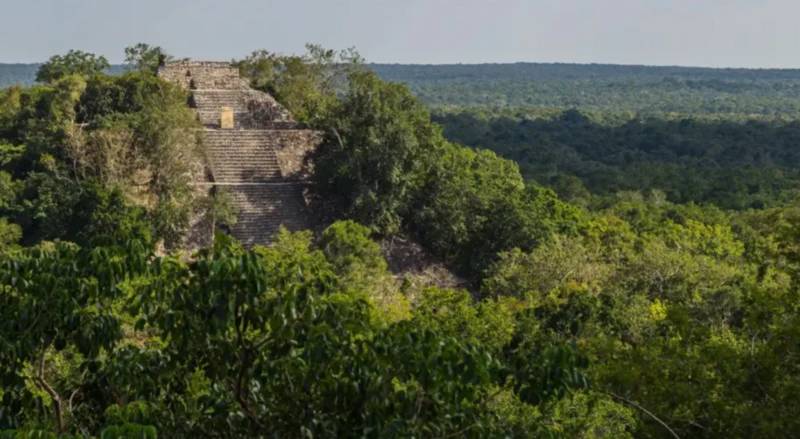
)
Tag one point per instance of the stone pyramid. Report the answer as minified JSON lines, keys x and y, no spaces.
{"x":256,"y":152}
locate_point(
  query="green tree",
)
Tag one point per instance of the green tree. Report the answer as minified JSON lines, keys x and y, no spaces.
{"x":306,"y":84}
{"x":379,"y":148}
{"x":75,"y":62}
{"x":361,"y":268}
{"x":132,"y":132}
{"x":56,"y":309}
{"x":146,"y":58}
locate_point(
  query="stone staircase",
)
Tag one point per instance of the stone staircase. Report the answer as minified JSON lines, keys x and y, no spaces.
{"x":213,"y":100}
{"x":240,"y":156}
{"x":257,"y":162}
{"x":263,"y":208}
{"x":208,"y":103}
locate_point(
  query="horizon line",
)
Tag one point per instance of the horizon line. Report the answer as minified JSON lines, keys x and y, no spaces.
{"x":488,"y":63}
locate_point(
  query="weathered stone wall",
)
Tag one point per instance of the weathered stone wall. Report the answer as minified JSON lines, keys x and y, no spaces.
{"x":203,"y":75}
{"x":292,"y":148}
{"x":201,"y":223}
{"x":264,"y":112}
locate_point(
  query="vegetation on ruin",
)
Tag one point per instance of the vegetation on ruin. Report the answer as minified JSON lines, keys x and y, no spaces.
{"x":628,"y":276}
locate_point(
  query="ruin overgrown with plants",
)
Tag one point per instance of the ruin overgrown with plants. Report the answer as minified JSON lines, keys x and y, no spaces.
{"x":208,"y":249}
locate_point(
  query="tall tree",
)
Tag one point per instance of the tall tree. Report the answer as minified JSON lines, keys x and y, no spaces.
{"x":75,"y":62}
{"x":145,"y":57}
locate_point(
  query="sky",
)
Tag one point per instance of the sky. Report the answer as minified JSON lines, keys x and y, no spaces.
{"x":715,"y":33}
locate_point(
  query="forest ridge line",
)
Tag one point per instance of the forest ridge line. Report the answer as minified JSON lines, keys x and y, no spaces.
{"x":24,"y":73}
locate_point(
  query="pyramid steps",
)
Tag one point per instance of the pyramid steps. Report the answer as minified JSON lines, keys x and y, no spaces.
{"x":243,"y":161}
{"x":214,"y":100}
{"x":264,"y":208}
{"x":241,"y":155}
{"x":209,"y":104}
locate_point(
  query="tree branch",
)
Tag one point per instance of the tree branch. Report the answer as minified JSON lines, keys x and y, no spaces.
{"x":645,"y":411}
{"x":57,"y":403}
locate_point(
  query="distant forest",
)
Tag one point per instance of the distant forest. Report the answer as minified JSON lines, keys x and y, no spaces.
{"x":25,"y":74}
{"x":732,"y":162}
{"x":596,"y":87}
{"x":600,"y":87}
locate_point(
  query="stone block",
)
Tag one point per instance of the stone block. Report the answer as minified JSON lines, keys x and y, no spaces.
{"x":226,"y":121}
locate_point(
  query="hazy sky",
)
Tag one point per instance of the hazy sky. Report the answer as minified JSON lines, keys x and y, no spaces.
{"x":741,"y":33}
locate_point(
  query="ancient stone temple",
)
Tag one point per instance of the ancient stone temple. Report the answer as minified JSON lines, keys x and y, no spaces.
{"x":255,"y":151}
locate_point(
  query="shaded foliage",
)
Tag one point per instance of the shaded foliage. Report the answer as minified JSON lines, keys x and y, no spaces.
{"x":250,"y":342}
{"x":735,"y":164}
